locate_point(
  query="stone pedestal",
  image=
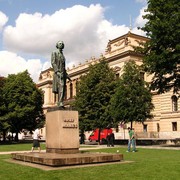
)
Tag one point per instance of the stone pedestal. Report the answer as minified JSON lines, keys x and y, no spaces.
{"x":56,"y":159}
{"x":62,"y":132}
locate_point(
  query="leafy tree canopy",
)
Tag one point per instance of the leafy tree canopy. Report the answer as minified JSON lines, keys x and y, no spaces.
{"x":23,"y":102}
{"x":93,"y":96}
{"x":3,"y":122}
{"x":162,"y":51}
{"x":132,"y":99}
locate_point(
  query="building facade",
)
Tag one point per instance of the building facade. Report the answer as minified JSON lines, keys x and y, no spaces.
{"x":166,"y":121}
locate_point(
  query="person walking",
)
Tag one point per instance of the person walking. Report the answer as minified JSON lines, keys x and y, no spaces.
{"x":36,"y":143}
{"x":131,"y":140}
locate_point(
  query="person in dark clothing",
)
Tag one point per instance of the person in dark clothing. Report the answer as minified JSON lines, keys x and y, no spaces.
{"x":82,"y":138}
{"x":112,"y":138}
{"x":108,"y":140}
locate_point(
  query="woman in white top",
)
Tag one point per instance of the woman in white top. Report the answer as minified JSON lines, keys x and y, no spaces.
{"x":36,"y":142}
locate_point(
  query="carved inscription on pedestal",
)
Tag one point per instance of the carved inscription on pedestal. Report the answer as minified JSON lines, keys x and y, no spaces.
{"x":69,"y":123}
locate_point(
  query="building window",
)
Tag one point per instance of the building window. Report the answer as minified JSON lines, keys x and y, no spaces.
{"x":158,"y":127}
{"x":174,"y":126}
{"x":71,"y":90}
{"x":145,"y":127}
{"x":174,"y":103}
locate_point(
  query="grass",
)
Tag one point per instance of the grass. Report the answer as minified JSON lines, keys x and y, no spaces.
{"x":149,"y":164}
{"x":18,"y":147}
{"x":26,"y":147}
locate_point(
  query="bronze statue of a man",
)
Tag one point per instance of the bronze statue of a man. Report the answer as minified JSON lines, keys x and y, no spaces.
{"x":60,"y":74}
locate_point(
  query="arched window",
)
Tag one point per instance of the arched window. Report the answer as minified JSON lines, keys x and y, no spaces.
{"x":71,"y":90}
{"x":174,"y":103}
{"x":145,"y":127}
{"x":174,"y":126}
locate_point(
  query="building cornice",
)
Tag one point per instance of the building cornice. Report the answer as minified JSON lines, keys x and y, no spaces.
{"x":129,"y":34}
{"x":124,"y":54}
{"x":44,"y":83}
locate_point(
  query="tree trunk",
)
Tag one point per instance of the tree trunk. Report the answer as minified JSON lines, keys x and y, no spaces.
{"x":131,"y":124}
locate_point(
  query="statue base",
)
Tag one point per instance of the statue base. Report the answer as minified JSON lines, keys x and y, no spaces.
{"x":59,"y":160}
{"x":62,"y":132}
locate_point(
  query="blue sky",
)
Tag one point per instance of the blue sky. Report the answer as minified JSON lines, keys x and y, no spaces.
{"x":29,"y":30}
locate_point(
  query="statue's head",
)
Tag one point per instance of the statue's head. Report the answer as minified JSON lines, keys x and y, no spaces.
{"x":60,"y":45}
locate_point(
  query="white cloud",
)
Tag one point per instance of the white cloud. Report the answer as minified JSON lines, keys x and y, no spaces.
{"x":108,"y":31}
{"x":141,"y":1}
{"x":46,"y":65}
{"x":84,"y":31}
{"x":140,"y":22}
{"x":3,"y":20}
{"x":11,"y":63}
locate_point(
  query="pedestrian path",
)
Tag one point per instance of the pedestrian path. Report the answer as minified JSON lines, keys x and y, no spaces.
{"x":92,"y":147}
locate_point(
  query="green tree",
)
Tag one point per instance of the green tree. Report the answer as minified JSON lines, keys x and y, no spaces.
{"x":3,"y":122}
{"x":93,"y":96}
{"x":23,"y":102}
{"x":162,"y":51}
{"x":132,"y":99}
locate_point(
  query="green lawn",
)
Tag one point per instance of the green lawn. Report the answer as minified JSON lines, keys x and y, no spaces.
{"x":18,"y":147}
{"x":147,"y":164}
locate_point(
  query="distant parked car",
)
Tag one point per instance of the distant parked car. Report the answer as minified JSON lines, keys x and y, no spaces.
{"x":103,"y":134}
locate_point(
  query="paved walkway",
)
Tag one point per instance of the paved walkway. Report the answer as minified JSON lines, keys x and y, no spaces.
{"x":89,"y":147}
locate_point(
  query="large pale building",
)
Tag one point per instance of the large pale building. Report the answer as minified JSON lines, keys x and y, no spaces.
{"x":166,"y":121}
